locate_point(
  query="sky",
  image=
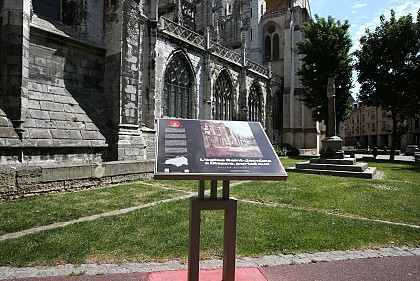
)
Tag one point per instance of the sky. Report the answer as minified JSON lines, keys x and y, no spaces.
{"x":361,"y":15}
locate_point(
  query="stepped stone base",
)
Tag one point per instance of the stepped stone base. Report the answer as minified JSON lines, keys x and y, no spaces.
{"x":347,"y":167}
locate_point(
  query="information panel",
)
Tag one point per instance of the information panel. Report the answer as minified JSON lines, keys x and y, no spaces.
{"x":210,"y":149}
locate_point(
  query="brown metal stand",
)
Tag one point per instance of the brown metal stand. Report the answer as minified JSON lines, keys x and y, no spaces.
{"x":230,"y":206}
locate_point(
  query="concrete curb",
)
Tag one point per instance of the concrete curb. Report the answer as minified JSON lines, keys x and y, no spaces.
{"x":264,"y":261}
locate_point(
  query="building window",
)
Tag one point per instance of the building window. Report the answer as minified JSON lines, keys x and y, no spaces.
{"x":50,"y":9}
{"x":417,"y":123}
{"x":223,"y":97}
{"x":272,"y":44}
{"x":268,"y":48}
{"x":373,"y":115}
{"x":383,"y":126}
{"x":71,"y":13}
{"x":255,"y":103}
{"x":177,"y":89}
{"x":363,"y":118}
{"x":373,"y":127}
{"x":278,"y":111}
{"x":276,"y":46}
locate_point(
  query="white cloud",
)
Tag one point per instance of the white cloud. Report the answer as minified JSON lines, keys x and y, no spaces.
{"x":358,"y":5}
{"x":401,"y":8}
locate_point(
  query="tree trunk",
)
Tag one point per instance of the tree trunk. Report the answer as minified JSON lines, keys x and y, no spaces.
{"x":394,"y":137}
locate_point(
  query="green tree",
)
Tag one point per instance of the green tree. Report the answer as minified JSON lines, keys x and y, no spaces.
{"x":326,"y":53}
{"x":388,"y":69}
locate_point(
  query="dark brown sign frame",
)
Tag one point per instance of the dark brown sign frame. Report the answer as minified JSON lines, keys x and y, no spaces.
{"x":193,"y":149}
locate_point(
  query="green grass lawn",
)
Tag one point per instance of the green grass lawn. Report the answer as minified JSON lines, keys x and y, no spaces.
{"x":394,"y":201}
{"x":160,"y":232}
{"x":31,"y":212}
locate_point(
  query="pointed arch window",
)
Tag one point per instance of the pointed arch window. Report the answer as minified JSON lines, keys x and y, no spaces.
{"x":255,"y":103}
{"x":276,"y":46}
{"x":177,"y":89}
{"x":273,"y":45}
{"x":277,"y":111}
{"x":268,"y":48}
{"x":223,"y":97}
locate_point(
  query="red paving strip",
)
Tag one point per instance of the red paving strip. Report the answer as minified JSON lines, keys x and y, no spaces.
{"x":241,"y":274}
{"x":376,"y":269}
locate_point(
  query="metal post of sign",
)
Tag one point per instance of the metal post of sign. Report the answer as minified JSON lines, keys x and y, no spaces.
{"x":225,"y":190}
{"x":229,"y":241}
{"x":213,"y":189}
{"x":194,"y":253}
{"x":230,"y":207}
{"x":201,"y":188}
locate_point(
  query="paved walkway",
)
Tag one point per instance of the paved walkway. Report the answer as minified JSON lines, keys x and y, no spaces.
{"x":401,"y":157}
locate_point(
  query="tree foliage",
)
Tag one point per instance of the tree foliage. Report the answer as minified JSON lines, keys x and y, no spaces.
{"x":326,"y":53}
{"x":388,"y":69}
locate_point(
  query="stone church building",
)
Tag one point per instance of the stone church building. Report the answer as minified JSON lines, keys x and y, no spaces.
{"x":83,"y":81}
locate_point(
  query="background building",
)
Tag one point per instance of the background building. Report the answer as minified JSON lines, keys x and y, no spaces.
{"x":372,"y":126}
{"x":83,"y":81}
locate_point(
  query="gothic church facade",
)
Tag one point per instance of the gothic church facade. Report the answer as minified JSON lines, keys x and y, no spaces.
{"x":83,"y":81}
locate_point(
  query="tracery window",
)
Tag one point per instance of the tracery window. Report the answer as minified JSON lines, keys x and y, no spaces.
{"x":223,"y":97}
{"x":68,"y":12}
{"x":276,"y":46}
{"x":255,"y":103}
{"x":278,"y":111}
{"x":273,"y":46}
{"x":268,"y":48}
{"x":177,"y":89}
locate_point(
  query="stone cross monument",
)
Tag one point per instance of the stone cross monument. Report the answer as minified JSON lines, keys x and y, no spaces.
{"x":332,"y":125}
{"x":332,"y":144}
{"x":332,"y":160}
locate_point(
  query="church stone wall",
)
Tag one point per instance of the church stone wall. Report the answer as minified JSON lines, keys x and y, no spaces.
{"x":65,"y":117}
{"x":25,"y":181}
{"x":88,"y":89}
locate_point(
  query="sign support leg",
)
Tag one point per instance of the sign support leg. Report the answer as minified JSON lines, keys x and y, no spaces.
{"x":230,"y":207}
{"x":229,"y":241}
{"x":194,"y":253}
